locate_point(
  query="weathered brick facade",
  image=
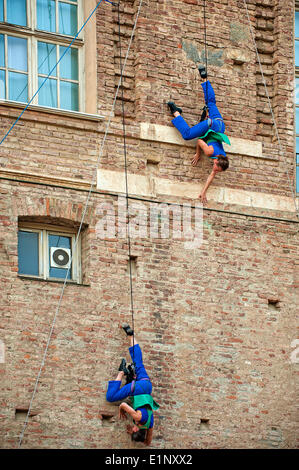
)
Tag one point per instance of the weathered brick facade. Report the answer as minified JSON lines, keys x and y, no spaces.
{"x":217,"y":323}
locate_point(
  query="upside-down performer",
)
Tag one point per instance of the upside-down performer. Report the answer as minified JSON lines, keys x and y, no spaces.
{"x":209,"y":131}
{"x":138,"y":390}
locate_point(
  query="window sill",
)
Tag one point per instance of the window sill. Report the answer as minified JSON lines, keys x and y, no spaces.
{"x":57,"y":111}
{"x":23,"y":277}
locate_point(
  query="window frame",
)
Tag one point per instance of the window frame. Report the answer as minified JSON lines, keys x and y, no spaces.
{"x":44,"y":268}
{"x":33,"y":35}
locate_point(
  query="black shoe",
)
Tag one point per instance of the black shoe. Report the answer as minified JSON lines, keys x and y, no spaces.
{"x":204,"y":113}
{"x":131,"y":369}
{"x":128,"y":329}
{"x":202,"y":71}
{"x":131,"y":373}
{"x":173,"y":108}
{"x":122,"y":367}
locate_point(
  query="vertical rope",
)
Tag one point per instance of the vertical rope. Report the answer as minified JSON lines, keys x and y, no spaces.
{"x":205,"y":34}
{"x":126,"y":175}
{"x":205,"y":39}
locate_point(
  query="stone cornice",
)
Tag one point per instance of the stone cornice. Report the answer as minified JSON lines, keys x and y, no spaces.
{"x":169,"y":135}
{"x":145,"y":186}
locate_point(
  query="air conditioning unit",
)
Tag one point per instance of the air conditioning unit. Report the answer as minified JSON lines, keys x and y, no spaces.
{"x":60,"y":257}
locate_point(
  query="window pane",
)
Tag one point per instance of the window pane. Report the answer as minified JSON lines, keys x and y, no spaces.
{"x":46,"y":15}
{"x":2,"y":85}
{"x":1,"y":11}
{"x":16,"y":12}
{"x":297,"y":146}
{"x":47,"y":96}
{"x":69,"y":63}
{"x":28,"y":253}
{"x":297,"y":24}
{"x":2,"y":53}
{"x":17,"y":53}
{"x":69,"y":96}
{"x":297,"y":179}
{"x":47,"y":58}
{"x":18,"y":86}
{"x":61,"y":242}
{"x":67,"y":19}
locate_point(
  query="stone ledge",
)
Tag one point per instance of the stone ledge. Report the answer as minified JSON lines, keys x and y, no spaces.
{"x":169,"y":135}
{"x":144,"y":186}
{"x":153,"y":187}
{"x":36,"y":178}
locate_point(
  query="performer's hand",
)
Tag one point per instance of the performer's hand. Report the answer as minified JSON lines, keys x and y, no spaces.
{"x":203,"y":198}
{"x":129,"y":429}
{"x":195,"y":159}
{"x":121,"y":413}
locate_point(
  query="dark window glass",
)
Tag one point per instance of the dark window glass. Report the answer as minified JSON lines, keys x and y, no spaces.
{"x":28,"y":252}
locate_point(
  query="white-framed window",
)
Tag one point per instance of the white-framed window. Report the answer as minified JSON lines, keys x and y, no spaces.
{"x":34,"y":35}
{"x":48,"y":253}
{"x":297,"y":93}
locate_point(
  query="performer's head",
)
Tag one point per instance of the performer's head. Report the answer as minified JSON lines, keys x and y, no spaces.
{"x":221,"y":163}
{"x":138,"y":435}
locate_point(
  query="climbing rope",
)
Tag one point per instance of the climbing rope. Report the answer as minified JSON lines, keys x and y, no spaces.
{"x":270,"y":106}
{"x":205,"y":35}
{"x":126,"y":177}
{"x":206,"y":47}
{"x":94,"y":179}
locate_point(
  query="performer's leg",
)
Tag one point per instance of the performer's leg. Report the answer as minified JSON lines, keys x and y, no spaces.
{"x":189,"y":133}
{"x":210,"y":99}
{"x":115,"y":392}
{"x":136,"y":355}
{"x":141,"y":386}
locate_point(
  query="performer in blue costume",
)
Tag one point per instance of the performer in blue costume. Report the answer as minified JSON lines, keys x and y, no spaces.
{"x":209,"y":131}
{"x":138,"y":390}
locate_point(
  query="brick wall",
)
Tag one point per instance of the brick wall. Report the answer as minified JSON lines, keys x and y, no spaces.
{"x":215,"y":346}
{"x":217,"y":323}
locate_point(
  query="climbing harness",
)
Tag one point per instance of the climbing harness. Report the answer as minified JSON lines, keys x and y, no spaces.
{"x":134,"y":383}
